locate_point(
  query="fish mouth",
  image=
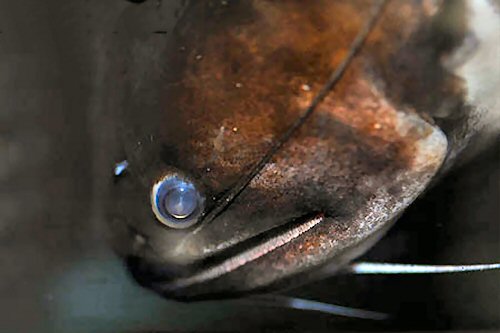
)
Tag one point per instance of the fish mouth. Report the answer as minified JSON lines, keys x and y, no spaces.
{"x":223,"y":263}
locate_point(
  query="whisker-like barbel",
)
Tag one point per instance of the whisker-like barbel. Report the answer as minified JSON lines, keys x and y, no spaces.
{"x":309,"y":305}
{"x":388,"y":268}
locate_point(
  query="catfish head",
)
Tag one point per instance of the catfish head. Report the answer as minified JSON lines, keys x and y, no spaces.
{"x":267,"y":142}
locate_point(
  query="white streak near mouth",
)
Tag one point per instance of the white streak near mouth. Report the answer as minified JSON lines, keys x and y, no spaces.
{"x":244,"y":257}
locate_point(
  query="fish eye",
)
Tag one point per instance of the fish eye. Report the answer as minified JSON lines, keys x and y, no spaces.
{"x":176,"y":202}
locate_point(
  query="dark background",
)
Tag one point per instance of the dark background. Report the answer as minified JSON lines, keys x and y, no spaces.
{"x":57,"y":271}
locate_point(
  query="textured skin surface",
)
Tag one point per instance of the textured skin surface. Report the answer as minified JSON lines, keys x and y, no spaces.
{"x":230,"y":81}
{"x":61,"y":100}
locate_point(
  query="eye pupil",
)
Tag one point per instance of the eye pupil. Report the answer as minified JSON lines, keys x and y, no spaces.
{"x":181,"y":202}
{"x":176,"y":202}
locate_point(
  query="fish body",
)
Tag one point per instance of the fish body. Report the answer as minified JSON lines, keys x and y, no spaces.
{"x":307,"y":128}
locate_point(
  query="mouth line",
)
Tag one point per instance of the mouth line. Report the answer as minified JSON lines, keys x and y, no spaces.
{"x":245,"y":252}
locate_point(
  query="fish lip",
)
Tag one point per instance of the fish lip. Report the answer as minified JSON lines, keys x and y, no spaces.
{"x":239,"y":255}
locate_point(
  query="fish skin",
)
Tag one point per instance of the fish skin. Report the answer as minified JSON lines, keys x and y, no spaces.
{"x":378,"y":138}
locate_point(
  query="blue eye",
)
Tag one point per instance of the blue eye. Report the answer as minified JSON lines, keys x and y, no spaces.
{"x":176,"y":202}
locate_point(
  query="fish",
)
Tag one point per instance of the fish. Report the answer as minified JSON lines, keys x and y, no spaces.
{"x":265,"y":144}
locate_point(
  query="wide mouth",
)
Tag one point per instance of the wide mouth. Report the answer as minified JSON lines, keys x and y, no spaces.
{"x":164,"y":280}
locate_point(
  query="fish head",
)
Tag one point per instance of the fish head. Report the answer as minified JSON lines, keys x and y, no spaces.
{"x":240,"y":179}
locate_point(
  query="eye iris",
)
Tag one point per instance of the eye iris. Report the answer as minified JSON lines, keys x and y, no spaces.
{"x":181,"y":202}
{"x":176,"y":202}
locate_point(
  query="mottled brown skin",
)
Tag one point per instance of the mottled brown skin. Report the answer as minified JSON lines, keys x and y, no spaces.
{"x":233,"y":79}
{"x":246,"y":76}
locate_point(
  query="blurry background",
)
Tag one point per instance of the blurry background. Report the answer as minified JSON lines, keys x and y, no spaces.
{"x":57,"y":272}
